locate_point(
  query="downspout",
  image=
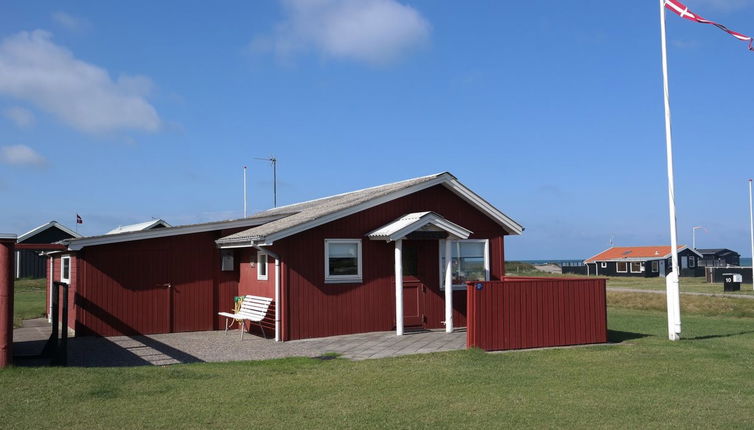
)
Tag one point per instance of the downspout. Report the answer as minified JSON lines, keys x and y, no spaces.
{"x":52,"y":276}
{"x":277,"y":290}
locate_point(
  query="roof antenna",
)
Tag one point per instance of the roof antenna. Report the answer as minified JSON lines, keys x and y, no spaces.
{"x":612,"y":238}
{"x":274,"y":162}
{"x":244,"y":191}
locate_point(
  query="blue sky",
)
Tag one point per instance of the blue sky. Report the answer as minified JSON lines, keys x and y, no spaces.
{"x":552,"y":111}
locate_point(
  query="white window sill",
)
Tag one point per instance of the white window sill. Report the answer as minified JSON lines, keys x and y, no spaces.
{"x":352,"y":280}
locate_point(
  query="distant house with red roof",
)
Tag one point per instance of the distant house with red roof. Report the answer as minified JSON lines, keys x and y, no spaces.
{"x":643,"y":261}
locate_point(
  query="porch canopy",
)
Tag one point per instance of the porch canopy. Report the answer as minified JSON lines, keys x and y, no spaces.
{"x":421,"y":225}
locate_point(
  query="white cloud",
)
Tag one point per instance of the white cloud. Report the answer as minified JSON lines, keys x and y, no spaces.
{"x":36,"y":70}
{"x":372,"y":31}
{"x":21,"y":155}
{"x":70,"y":22}
{"x":22,"y":117}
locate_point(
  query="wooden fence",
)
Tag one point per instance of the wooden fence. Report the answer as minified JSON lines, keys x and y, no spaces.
{"x":518,"y":313}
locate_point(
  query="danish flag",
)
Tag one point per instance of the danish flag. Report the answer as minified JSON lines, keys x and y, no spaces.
{"x":683,"y":11}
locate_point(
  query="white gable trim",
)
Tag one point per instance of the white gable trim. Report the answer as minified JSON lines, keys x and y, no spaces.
{"x":46,"y":226}
{"x":445,"y":179}
{"x":399,"y":229}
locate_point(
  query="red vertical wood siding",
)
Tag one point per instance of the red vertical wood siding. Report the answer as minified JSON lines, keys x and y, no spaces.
{"x":248,"y":282}
{"x":536,"y":312}
{"x":313,"y":308}
{"x":121,"y":286}
{"x":72,"y":286}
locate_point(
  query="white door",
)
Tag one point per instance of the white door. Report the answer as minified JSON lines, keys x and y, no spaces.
{"x":662,"y":268}
{"x":684,"y":262}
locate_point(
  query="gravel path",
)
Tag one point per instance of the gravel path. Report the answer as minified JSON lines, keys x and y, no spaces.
{"x":689,"y":293}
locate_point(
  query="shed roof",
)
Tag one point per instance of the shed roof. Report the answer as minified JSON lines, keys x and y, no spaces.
{"x":146,"y":225}
{"x":313,"y":213}
{"x":636,"y":253}
{"x":52,"y":224}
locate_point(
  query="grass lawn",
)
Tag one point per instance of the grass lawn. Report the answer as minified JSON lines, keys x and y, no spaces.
{"x":704,"y":380}
{"x":29,"y":300}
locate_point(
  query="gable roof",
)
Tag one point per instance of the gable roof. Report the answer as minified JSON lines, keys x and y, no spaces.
{"x":636,"y":253}
{"x":417,"y":221}
{"x":313,"y":213}
{"x":52,"y":224}
{"x":716,"y":251}
{"x":146,"y":225}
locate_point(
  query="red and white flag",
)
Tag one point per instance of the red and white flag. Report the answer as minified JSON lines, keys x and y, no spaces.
{"x":78,"y":219}
{"x":682,"y":10}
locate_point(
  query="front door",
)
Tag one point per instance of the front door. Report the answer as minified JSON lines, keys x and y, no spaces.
{"x":662,"y":268}
{"x":414,"y":290}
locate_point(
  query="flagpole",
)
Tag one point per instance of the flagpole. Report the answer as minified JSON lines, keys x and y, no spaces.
{"x":244,"y":191}
{"x":751,"y":230}
{"x":671,"y":281}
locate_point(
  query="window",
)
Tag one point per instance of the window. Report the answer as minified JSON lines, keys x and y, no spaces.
{"x":65,"y":269}
{"x":470,"y":261}
{"x":342,"y":260}
{"x":637,"y":267}
{"x":621,"y":267}
{"x":603,"y":265}
{"x":226,"y":260}
{"x":261,"y":266}
{"x":655,"y":266}
{"x":692,"y":261}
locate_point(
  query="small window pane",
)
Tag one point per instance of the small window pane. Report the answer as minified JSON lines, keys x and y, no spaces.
{"x":65,"y":276}
{"x":262,"y":264}
{"x":343,"y":259}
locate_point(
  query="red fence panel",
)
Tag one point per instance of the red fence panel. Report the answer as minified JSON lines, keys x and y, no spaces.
{"x":518,"y":313}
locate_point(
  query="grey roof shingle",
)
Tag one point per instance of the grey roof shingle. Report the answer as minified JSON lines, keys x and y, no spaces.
{"x":301,"y":213}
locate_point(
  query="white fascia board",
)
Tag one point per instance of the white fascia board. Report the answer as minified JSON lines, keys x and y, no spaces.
{"x":358,"y":208}
{"x":597,"y":255}
{"x":78,"y":244}
{"x":445,"y":178}
{"x":434,"y":219}
{"x":475,"y":200}
{"x":46,"y":226}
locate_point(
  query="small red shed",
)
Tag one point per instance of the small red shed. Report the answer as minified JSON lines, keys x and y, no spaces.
{"x":391,"y":257}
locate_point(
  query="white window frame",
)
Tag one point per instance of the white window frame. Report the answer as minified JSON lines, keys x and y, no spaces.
{"x":603,"y":265}
{"x":62,"y":269}
{"x":641,"y":266}
{"x":343,"y":279}
{"x":617,"y":267}
{"x":655,"y":266}
{"x":260,"y":276}
{"x":692,"y":262}
{"x":462,"y":287}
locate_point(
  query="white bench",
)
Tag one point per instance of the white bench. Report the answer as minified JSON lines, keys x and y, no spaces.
{"x":253,"y":308}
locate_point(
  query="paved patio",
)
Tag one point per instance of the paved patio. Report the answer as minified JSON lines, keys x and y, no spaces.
{"x":215,"y":346}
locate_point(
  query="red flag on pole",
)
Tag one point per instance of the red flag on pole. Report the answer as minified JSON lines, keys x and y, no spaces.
{"x":78,"y":219}
{"x":682,"y":10}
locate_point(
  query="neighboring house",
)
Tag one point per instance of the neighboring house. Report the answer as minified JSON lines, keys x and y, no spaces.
{"x":368,"y":260}
{"x":719,"y":258}
{"x":30,"y":248}
{"x":146,"y":225}
{"x":643,"y":261}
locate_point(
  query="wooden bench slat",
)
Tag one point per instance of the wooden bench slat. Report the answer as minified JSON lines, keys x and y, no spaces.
{"x":253,"y":308}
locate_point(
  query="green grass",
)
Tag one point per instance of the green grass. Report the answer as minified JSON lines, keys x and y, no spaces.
{"x":29,"y":300}
{"x":646,"y":381}
{"x":696,"y":284}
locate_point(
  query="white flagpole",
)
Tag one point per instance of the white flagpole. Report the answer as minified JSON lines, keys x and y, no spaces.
{"x":244,"y":191}
{"x":751,"y":230}
{"x":671,"y":281}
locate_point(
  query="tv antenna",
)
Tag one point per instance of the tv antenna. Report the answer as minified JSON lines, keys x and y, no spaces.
{"x":274,"y":162}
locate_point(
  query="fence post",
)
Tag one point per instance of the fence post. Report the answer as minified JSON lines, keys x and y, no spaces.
{"x":7,"y":263}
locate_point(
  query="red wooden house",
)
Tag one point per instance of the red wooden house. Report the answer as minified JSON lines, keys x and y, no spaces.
{"x":390,"y":257}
